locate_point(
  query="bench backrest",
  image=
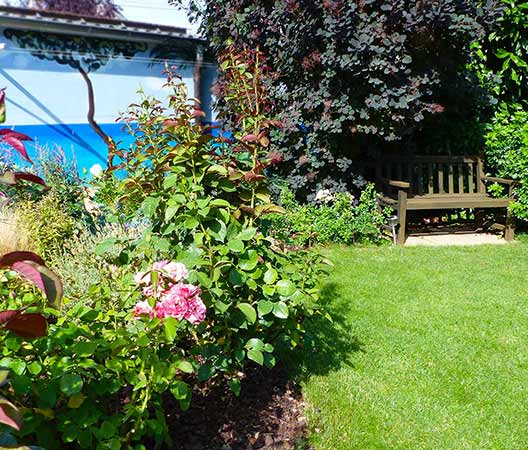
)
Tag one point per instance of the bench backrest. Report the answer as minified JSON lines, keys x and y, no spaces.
{"x":435,"y":175}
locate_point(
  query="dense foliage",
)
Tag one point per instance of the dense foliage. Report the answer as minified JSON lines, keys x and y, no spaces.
{"x":190,"y":297}
{"x":507,"y":152}
{"x":348,"y":77}
{"x":502,"y":56}
{"x":335,"y":218}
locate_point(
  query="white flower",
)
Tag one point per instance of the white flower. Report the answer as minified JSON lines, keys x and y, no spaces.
{"x":324,"y":195}
{"x":96,"y":170}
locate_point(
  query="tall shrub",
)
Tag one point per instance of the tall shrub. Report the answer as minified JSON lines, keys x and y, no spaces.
{"x":349,"y":77}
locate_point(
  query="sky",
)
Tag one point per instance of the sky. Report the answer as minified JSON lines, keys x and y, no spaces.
{"x":150,"y":11}
{"x":155,"y":11}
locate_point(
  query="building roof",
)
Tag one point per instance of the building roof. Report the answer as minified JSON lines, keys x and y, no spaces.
{"x":52,"y":22}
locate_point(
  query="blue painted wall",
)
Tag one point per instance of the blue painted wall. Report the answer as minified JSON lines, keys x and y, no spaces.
{"x":49,"y":101}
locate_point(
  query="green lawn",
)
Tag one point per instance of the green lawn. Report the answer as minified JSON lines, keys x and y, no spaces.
{"x":429,"y":350}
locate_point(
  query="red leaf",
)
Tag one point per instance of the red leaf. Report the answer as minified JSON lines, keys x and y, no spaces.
{"x":18,"y":145}
{"x":6,"y":316}
{"x":30,"y":177}
{"x":253,"y":177}
{"x":29,"y":326}
{"x":198,"y":113}
{"x":8,"y":259}
{"x":43,"y":278}
{"x":9,"y":414}
{"x":15,"y":134}
{"x":249,"y":138}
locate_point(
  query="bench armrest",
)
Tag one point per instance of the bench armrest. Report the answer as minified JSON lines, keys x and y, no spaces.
{"x":396,"y":183}
{"x":499,"y":180}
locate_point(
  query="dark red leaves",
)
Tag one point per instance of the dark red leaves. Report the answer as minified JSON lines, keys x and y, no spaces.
{"x":9,"y":414}
{"x":253,"y":177}
{"x":15,"y":140}
{"x":31,"y":267}
{"x":28,"y":326}
{"x":6,"y":316}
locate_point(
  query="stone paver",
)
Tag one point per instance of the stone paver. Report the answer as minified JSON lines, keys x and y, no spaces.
{"x":455,"y":239}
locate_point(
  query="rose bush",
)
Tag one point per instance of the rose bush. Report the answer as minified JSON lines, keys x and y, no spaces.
{"x":191,"y":299}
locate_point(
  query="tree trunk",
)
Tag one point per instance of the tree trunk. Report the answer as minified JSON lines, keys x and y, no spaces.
{"x":91,"y":117}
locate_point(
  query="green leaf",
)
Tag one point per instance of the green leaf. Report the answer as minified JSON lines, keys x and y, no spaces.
{"x":280,"y":310}
{"x":236,"y":277}
{"x":248,"y":311}
{"x":180,"y":390}
{"x":171,"y":180}
{"x":16,"y":365}
{"x":285,"y":288}
{"x":255,"y":344}
{"x":71,"y":384}
{"x":85,"y":349}
{"x":76,"y":401}
{"x":247,"y":234}
{"x":236,"y":246}
{"x":205,"y":372}
{"x":249,"y":260}
{"x":191,"y":223}
{"x":150,"y":205}
{"x":170,"y":328}
{"x":235,"y":386}
{"x":104,"y":246}
{"x":270,"y":276}
{"x":34,"y":368}
{"x":256,"y":355}
{"x":264,"y":307}
{"x":170,"y":212}
{"x":185,"y":366}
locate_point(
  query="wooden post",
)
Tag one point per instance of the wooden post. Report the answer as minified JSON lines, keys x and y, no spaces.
{"x":402,"y":216}
{"x":509,"y":231}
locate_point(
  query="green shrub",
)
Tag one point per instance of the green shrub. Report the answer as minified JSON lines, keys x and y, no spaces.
{"x":340,"y":219}
{"x":46,"y":223}
{"x":507,"y":153}
{"x":142,"y":333}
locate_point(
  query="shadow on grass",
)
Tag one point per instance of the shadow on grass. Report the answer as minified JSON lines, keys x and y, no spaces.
{"x":331,"y":346}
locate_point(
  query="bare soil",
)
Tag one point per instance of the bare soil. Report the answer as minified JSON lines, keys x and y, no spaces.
{"x":268,"y":415}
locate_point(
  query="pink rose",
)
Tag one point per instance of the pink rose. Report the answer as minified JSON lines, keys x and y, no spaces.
{"x":196,"y":310}
{"x":143,"y":308}
{"x":174,"y":270}
{"x":173,"y":304}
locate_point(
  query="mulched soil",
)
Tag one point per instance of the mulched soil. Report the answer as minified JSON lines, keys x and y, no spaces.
{"x":268,"y":415}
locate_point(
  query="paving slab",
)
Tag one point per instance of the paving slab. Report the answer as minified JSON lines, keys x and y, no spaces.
{"x":455,"y":239}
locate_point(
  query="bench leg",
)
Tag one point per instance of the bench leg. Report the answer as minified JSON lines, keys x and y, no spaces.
{"x":402,"y":217}
{"x":479,"y":218}
{"x":509,"y":231}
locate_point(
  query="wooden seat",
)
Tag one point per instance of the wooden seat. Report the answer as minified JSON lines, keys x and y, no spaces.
{"x":438,"y":183}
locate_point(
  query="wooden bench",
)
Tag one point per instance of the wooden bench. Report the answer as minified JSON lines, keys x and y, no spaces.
{"x":438,"y":183}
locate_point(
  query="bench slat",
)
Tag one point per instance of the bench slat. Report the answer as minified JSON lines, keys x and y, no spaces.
{"x":440,"y":168}
{"x":460,"y":179}
{"x":430,"y":182}
{"x":451,"y":184}
{"x":470,"y":178}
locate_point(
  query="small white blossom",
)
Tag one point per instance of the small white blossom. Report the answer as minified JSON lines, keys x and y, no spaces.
{"x":96,"y":170}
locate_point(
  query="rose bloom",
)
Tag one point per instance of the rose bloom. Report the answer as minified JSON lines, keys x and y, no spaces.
{"x":182,"y":301}
{"x":174,"y":270}
{"x":143,"y":308}
{"x":196,"y":310}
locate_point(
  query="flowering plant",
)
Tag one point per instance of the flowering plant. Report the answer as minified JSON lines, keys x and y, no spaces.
{"x":172,"y":298}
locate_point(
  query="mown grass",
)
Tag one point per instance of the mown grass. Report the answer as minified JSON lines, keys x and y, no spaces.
{"x":429,"y":350}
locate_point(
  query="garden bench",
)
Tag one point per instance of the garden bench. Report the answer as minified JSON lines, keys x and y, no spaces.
{"x":438,"y":183}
